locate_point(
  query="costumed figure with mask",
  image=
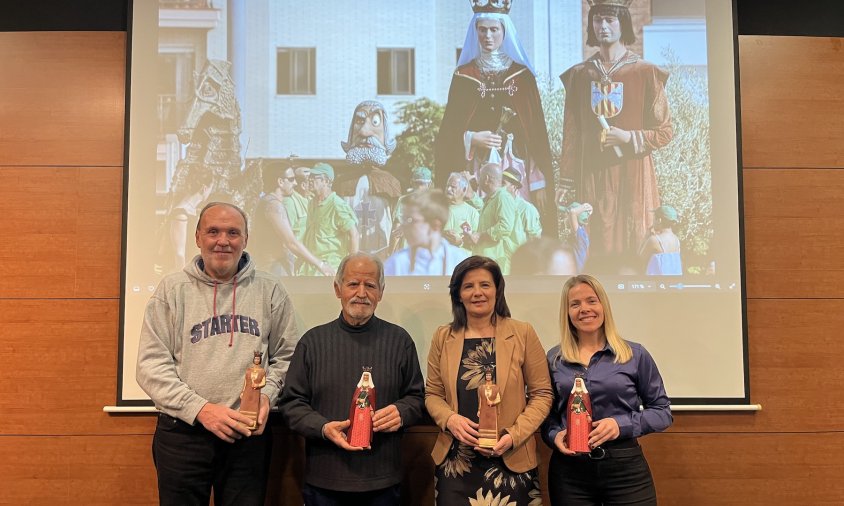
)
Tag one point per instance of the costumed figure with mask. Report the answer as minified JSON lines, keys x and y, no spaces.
{"x":368,"y":188}
{"x":494,"y":113}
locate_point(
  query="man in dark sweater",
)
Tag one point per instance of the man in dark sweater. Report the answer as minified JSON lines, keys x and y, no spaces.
{"x":320,"y":383}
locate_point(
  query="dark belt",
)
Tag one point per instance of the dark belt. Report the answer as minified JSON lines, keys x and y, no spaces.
{"x":614,"y":449}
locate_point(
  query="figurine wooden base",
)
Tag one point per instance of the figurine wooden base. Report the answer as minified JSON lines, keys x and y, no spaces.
{"x":487,"y":439}
{"x":253,"y":415}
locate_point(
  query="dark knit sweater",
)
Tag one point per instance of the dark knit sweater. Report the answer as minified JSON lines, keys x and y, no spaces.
{"x":320,"y":382}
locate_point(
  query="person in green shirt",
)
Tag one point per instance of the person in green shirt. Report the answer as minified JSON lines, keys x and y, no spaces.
{"x":332,"y":231}
{"x":274,"y":244}
{"x":462,"y":216}
{"x":528,"y":225}
{"x":297,"y":206}
{"x":495,"y":237}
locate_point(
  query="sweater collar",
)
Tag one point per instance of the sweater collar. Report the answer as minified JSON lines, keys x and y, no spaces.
{"x":366,"y":327}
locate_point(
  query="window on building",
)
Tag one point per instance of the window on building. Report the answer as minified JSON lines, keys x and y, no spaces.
{"x":396,"y":72}
{"x":296,"y":71}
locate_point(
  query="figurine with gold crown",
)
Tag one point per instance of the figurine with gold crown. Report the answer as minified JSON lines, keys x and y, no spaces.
{"x":616,"y":115}
{"x":495,"y":79}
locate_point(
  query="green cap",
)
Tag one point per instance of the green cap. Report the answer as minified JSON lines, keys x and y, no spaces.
{"x":667,"y":213}
{"x":421,"y":175}
{"x":323,"y":169}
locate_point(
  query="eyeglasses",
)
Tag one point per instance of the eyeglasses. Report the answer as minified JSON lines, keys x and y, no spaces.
{"x":290,"y":178}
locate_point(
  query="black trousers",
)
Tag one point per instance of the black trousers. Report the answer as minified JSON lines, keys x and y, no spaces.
{"x":622,"y":476}
{"x":315,"y":496}
{"x":190,"y":461}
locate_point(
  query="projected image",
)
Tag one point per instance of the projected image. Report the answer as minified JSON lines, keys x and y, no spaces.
{"x":555,"y":138}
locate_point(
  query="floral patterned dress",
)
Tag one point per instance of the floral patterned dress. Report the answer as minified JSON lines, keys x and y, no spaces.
{"x":466,"y":477}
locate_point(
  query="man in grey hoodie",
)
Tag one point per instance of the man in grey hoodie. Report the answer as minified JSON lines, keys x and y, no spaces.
{"x":200,"y":331}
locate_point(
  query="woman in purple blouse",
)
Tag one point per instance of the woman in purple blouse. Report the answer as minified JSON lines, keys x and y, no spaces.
{"x":628,"y":401}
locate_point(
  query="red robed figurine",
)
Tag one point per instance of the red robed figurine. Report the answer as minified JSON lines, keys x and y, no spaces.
{"x":579,"y":418}
{"x":360,"y":414}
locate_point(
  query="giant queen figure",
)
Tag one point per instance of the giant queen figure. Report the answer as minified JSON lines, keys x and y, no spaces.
{"x":493,"y":97}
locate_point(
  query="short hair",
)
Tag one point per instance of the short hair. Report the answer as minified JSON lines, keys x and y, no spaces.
{"x":271,"y":172}
{"x":568,"y":333}
{"x":458,"y":310}
{"x":431,"y":204}
{"x":227,"y":204}
{"x":491,"y":168}
{"x":628,"y":36}
{"x":341,"y":269}
{"x":461,"y":178}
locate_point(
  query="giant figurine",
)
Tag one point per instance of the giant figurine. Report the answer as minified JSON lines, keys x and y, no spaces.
{"x":494,"y":113}
{"x":616,"y":115}
{"x":369,"y":189}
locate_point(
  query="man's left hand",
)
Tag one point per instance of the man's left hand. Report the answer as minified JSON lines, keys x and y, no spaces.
{"x":263,"y":414}
{"x":386,"y":419}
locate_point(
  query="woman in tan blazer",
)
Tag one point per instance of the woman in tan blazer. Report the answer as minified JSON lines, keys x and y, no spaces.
{"x":483,"y":337}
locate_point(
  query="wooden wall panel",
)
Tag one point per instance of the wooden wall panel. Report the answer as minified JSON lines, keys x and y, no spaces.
{"x":62,"y":98}
{"x":68,"y":225}
{"x":791,"y":101}
{"x":741,"y":469}
{"x":74,"y":470}
{"x":73,"y":346}
{"x":795,"y":346}
{"x":794,"y":232}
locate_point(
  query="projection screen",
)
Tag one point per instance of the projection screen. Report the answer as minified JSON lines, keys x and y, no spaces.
{"x":222,"y":92}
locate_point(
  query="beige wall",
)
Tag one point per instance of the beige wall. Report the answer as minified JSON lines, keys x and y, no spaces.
{"x":61,"y":157}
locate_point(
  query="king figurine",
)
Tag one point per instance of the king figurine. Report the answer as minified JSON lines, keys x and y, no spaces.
{"x":250,"y":397}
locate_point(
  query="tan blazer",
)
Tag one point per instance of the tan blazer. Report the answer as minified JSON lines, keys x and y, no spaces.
{"x":521,"y":368}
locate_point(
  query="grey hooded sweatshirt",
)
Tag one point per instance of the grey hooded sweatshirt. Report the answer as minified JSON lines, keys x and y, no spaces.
{"x":199,"y":337}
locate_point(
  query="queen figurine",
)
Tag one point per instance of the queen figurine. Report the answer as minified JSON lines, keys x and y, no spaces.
{"x":579,"y":418}
{"x":360,"y":414}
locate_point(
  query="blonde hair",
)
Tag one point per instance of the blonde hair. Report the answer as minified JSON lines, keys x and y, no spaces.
{"x":568,"y":342}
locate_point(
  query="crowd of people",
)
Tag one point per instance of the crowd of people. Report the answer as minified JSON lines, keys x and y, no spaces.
{"x":203,"y":327}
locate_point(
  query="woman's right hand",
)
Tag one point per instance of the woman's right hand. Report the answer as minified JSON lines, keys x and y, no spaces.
{"x":560,"y":443}
{"x":465,"y":430}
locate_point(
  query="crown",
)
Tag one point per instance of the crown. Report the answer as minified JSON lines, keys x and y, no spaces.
{"x":614,"y":3}
{"x":496,"y":6}
{"x":258,"y":354}
{"x":367,"y":368}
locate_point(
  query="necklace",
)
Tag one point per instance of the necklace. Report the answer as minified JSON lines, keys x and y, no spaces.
{"x":606,"y":75}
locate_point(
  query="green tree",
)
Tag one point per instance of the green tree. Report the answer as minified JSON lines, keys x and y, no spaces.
{"x":415,"y":145}
{"x":683,"y":167}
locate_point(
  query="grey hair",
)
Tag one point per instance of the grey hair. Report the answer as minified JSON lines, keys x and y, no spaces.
{"x":341,"y":269}
{"x":464,"y":183}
